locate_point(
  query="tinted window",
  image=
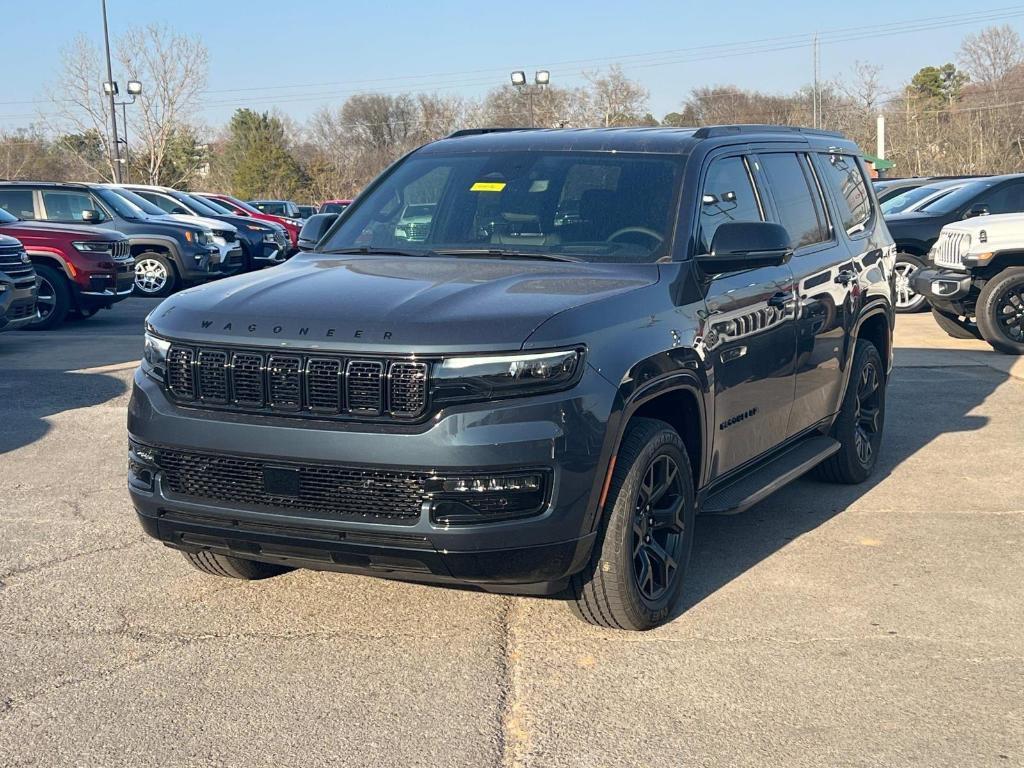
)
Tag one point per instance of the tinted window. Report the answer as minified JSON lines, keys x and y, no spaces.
{"x":728,"y":195}
{"x":1009,"y":198}
{"x":797,"y":198}
{"x":333,"y":207}
{"x":6,"y":218}
{"x":122,"y":206}
{"x":68,"y":206}
{"x":955,"y":200}
{"x":905,"y":200}
{"x":275,"y":209}
{"x":17,"y":202}
{"x":622,"y":205}
{"x":843,"y":175}
{"x":140,"y":203}
{"x":164,"y":203}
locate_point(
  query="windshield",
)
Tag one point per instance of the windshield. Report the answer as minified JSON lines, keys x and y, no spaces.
{"x":902,"y":201}
{"x":333,"y":207}
{"x":199,"y":207}
{"x":122,"y":206}
{"x":140,"y":202}
{"x":955,"y":200}
{"x":274,"y":209}
{"x":592,"y":206}
{"x":6,"y":218}
{"x":214,"y":205}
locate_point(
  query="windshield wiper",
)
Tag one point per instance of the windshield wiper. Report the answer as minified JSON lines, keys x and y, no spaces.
{"x":500,"y":253}
{"x":365,"y":250}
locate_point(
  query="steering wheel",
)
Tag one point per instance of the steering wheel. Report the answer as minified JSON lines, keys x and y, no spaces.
{"x":640,"y":230}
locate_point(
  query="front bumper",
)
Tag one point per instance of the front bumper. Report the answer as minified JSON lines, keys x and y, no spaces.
{"x":17,"y":307}
{"x":104,"y":289}
{"x":942,"y":285}
{"x":562,"y":432}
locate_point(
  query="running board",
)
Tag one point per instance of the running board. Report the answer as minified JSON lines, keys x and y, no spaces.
{"x":747,"y":491}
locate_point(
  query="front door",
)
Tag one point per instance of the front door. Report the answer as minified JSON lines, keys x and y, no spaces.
{"x":749,"y":333}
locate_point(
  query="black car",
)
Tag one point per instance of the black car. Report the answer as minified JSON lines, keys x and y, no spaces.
{"x":915,"y":232}
{"x":520,"y":402}
{"x":886,"y":188}
{"x":18,"y":289}
{"x":168,"y":253}
{"x":264,"y":244}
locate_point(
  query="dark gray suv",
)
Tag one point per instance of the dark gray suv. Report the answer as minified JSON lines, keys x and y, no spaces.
{"x":596,"y":335}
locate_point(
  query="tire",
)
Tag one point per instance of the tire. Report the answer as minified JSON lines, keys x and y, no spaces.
{"x":54,"y":300}
{"x":233,"y":567}
{"x":1000,"y":311}
{"x":954,"y":326}
{"x":615,"y":590}
{"x":860,"y":422}
{"x":908,"y":301}
{"x":155,"y":275}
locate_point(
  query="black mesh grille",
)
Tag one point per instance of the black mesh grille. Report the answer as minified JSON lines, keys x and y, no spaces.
{"x":179,"y":372}
{"x":247,"y":379}
{"x":340,"y":492}
{"x":285,"y":382}
{"x":213,"y":375}
{"x":323,"y":385}
{"x":365,"y":387}
{"x":296,"y":383}
{"x":408,"y":388}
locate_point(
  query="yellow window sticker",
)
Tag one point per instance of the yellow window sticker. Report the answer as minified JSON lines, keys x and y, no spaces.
{"x":487,"y":186}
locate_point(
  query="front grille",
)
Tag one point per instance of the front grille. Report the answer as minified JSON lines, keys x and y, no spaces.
{"x":326,"y":385}
{"x":11,"y":264}
{"x":951,"y":247}
{"x":121,"y":251}
{"x":20,"y":312}
{"x":336,"y":491}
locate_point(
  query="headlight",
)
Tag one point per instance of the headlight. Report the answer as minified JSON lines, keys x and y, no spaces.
{"x":513,"y":375}
{"x":269,"y":238}
{"x":93,"y":246}
{"x":154,"y":356}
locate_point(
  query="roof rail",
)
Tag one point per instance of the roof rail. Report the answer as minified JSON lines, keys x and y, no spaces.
{"x":478,"y":131}
{"x":711,"y":131}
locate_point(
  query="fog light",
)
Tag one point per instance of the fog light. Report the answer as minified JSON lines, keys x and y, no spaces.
{"x":486,"y":498}
{"x":944,"y":287}
{"x":142,"y":466}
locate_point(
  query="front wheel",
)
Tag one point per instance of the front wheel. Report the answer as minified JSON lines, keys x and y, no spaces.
{"x":53,"y":301}
{"x":634,"y":579}
{"x":907,"y":299}
{"x":154,"y":275}
{"x":229,"y":567}
{"x":1000,"y":311}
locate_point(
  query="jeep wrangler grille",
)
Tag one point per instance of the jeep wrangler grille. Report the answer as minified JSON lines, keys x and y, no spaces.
{"x":320,"y":385}
{"x":335,"y":491}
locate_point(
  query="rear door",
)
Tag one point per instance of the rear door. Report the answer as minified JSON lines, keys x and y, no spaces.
{"x":825,"y":276}
{"x":749,"y":330}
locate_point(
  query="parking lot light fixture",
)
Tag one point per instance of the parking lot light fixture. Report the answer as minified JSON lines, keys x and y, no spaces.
{"x":518,"y":78}
{"x":134,"y":87}
{"x":541,"y":78}
{"x":110,"y":88}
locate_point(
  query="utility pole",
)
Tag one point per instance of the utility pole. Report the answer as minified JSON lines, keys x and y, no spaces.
{"x":115,"y":147}
{"x":815,"y":98}
{"x":880,"y":137}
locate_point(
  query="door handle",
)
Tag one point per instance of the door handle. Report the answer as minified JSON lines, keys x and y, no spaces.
{"x":846,"y":277}
{"x":780,"y":300}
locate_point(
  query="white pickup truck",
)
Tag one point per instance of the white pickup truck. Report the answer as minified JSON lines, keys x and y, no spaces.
{"x":975,"y":280}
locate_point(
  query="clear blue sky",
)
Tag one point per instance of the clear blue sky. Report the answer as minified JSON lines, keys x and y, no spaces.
{"x":298,"y":55}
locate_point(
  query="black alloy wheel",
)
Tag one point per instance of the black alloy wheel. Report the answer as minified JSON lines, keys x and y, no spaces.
{"x":1000,"y":311}
{"x":868,"y":413}
{"x":658,"y":528}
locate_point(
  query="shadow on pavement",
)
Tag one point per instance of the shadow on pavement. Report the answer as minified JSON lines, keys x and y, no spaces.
{"x":922,"y":403}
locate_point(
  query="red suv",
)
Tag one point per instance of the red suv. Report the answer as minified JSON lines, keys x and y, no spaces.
{"x":242,"y":208}
{"x":79,"y":268}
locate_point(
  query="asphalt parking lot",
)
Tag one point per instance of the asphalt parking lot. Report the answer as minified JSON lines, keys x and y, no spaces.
{"x":877,"y":625}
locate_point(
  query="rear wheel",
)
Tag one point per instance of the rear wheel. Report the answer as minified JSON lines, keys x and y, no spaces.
{"x":154,"y":275}
{"x":907,"y":299}
{"x":955,"y":326}
{"x":1000,"y":311}
{"x":861,"y":418}
{"x":53,"y":301}
{"x":233,"y":567}
{"x":635,"y":576}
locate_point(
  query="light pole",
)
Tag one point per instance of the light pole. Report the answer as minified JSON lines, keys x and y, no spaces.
{"x":541,"y":78}
{"x":110,"y":89}
{"x":134,"y":89}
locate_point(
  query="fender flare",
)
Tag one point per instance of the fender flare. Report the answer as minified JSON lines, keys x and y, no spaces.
{"x":625,"y":407}
{"x":162,"y":241}
{"x":52,"y":255}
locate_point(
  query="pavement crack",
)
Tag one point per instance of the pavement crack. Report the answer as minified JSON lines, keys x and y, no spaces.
{"x":512,"y":733}
{"x":68,"y":558}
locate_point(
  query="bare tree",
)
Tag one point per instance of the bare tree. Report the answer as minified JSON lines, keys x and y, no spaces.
{"x":172,"y":68}
{"x":989,"y":55}
{"x":615,"y":99}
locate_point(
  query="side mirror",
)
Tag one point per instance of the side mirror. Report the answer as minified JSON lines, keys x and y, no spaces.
{"x":980,"y":209}
{"x":92,"y":216}
{"x":314,"y":229}
{"x":741,"y":245}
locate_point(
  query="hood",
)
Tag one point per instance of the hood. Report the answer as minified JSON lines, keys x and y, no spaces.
{"x":48,"y":228}
{"x":392,"y":304}
{"x":6,"y":241}
{"x":1001,"y":223}
{"x":202,"y":221}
